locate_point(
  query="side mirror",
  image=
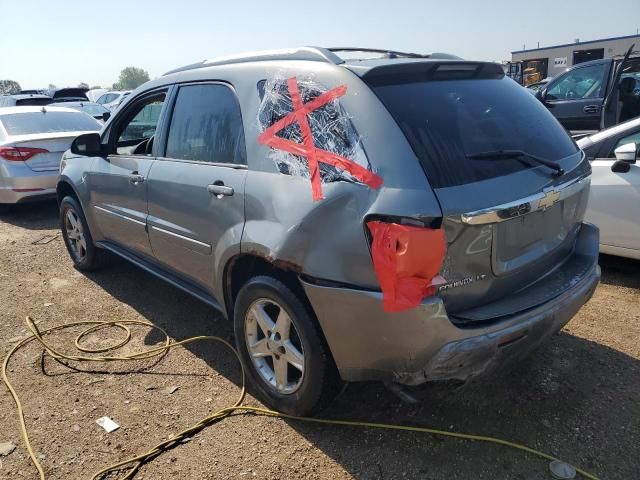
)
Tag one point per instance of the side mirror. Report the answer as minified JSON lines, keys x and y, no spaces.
{"x":626,"y":153}
{"x":541,"y":94}
{"x":87,"y":145}
{"x":106,"y":116}
{"x":620,"y":166}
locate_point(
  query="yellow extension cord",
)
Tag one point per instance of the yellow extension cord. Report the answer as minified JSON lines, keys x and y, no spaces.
{"x":133,"y":464}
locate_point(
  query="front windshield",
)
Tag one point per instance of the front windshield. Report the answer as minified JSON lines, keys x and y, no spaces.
{"x":92,"y":109}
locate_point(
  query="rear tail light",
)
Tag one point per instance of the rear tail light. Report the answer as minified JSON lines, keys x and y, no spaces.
{"x":407,"y":261}
{"x":20,"y":154}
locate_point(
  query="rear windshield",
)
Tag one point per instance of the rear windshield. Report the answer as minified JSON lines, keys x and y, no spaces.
{"x":33,"y":101}
{"x":446,"y":121}
{"x":38,"y":122}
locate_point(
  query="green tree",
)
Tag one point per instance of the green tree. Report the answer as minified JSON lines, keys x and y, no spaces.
{"x":130,"y":78}
{"x":83,"y":85}
{"x":9,"y":87}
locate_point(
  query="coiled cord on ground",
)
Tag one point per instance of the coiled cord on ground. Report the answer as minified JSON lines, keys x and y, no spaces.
{"x":131,"y":465}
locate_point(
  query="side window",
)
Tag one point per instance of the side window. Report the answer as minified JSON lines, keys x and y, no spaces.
{"x":633,"y":138}
{"x":102,"y":99}
{"x":135,"y":135}
{"x":206,"y":125}
{"x":585,"y":82}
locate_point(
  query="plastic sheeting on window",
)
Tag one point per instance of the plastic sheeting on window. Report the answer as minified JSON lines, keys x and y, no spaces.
{"x":334,"y":148}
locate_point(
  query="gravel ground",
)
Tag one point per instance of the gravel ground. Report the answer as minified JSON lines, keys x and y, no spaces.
{"x":575,"y":398}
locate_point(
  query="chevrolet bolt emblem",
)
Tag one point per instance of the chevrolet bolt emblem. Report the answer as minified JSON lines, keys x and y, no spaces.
{"x":549,"y":199}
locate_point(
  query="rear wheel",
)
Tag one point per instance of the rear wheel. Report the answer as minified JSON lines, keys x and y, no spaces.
{"x":282,"y":348}
{"x":77,"y":237}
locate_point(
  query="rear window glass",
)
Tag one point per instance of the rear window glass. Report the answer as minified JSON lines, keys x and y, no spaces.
{"x":446,"y":121}
{"x":33,"y":101}
{"x":38,"y":122}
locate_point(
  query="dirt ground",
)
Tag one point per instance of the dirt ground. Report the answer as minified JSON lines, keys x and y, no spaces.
{"x":575,"y":398}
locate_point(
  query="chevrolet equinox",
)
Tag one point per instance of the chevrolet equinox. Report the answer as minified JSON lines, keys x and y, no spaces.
{"x":368,"y":215}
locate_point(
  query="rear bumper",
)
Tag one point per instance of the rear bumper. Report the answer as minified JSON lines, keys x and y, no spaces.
{"x":18,"y":183}
{"x":423,"y":344}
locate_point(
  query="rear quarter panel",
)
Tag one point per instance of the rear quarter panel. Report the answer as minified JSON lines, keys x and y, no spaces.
{"x":324,"y":239}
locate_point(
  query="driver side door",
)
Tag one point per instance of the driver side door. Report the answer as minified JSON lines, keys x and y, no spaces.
{"x":118,"y":182}
{"x":576,"y":97}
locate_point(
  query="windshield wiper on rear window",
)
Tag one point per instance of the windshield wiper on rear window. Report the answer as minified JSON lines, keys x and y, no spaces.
{"x":504,"y":154}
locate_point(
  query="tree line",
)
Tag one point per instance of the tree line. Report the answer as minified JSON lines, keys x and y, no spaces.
{"x":130,"y":78}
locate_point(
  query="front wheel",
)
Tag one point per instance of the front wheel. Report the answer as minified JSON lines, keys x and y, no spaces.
{"x":282,"y":348}
{"x":77,"y":237}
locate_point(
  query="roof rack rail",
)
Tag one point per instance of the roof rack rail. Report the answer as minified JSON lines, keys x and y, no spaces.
{"x":395,"y":53}
{"x":389,"y":53}
{"x":316,"y":54}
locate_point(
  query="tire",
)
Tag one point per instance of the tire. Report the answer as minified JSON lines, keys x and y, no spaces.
{"x":310,"y":389}
{"x":79,"y":242}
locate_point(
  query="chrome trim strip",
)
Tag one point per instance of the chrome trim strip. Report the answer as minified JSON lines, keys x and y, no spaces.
{"x":181,"y":237}
{"x":119,"y":215}
{"x":533,"y":203}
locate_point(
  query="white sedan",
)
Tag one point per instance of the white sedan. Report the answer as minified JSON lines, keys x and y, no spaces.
{"x":32,"y":141}
{"x":614,"y":201}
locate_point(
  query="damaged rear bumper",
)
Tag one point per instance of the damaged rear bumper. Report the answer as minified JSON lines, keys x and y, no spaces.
{"x":423,"y":344}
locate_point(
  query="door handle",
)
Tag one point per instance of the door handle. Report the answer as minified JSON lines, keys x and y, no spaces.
{"x":591,"y":109}
{"x":136,"y":178}
{"x":219,"y":189}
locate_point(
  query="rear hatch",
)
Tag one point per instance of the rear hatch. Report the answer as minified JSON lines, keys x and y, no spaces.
{"x":50,"y":148}
{"x":49,"y":131}
{"x":509,"y":179}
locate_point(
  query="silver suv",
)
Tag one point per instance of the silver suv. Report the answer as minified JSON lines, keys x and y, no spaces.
{"x":391,"y":216}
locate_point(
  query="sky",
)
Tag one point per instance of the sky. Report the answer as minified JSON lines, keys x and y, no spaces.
{"x":72,"y":41}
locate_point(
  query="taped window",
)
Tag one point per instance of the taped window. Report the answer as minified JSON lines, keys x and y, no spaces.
{"x":330,"y":126}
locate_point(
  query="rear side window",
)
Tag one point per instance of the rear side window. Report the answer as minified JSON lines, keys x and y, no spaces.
{"x":49,"y":122}
{"x":206,"y":125}
{"x":447,"y":121}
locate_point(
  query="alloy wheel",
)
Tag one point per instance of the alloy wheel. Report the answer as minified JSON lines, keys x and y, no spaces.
{"x":274,"y":345}
{"x":75,"y":234}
